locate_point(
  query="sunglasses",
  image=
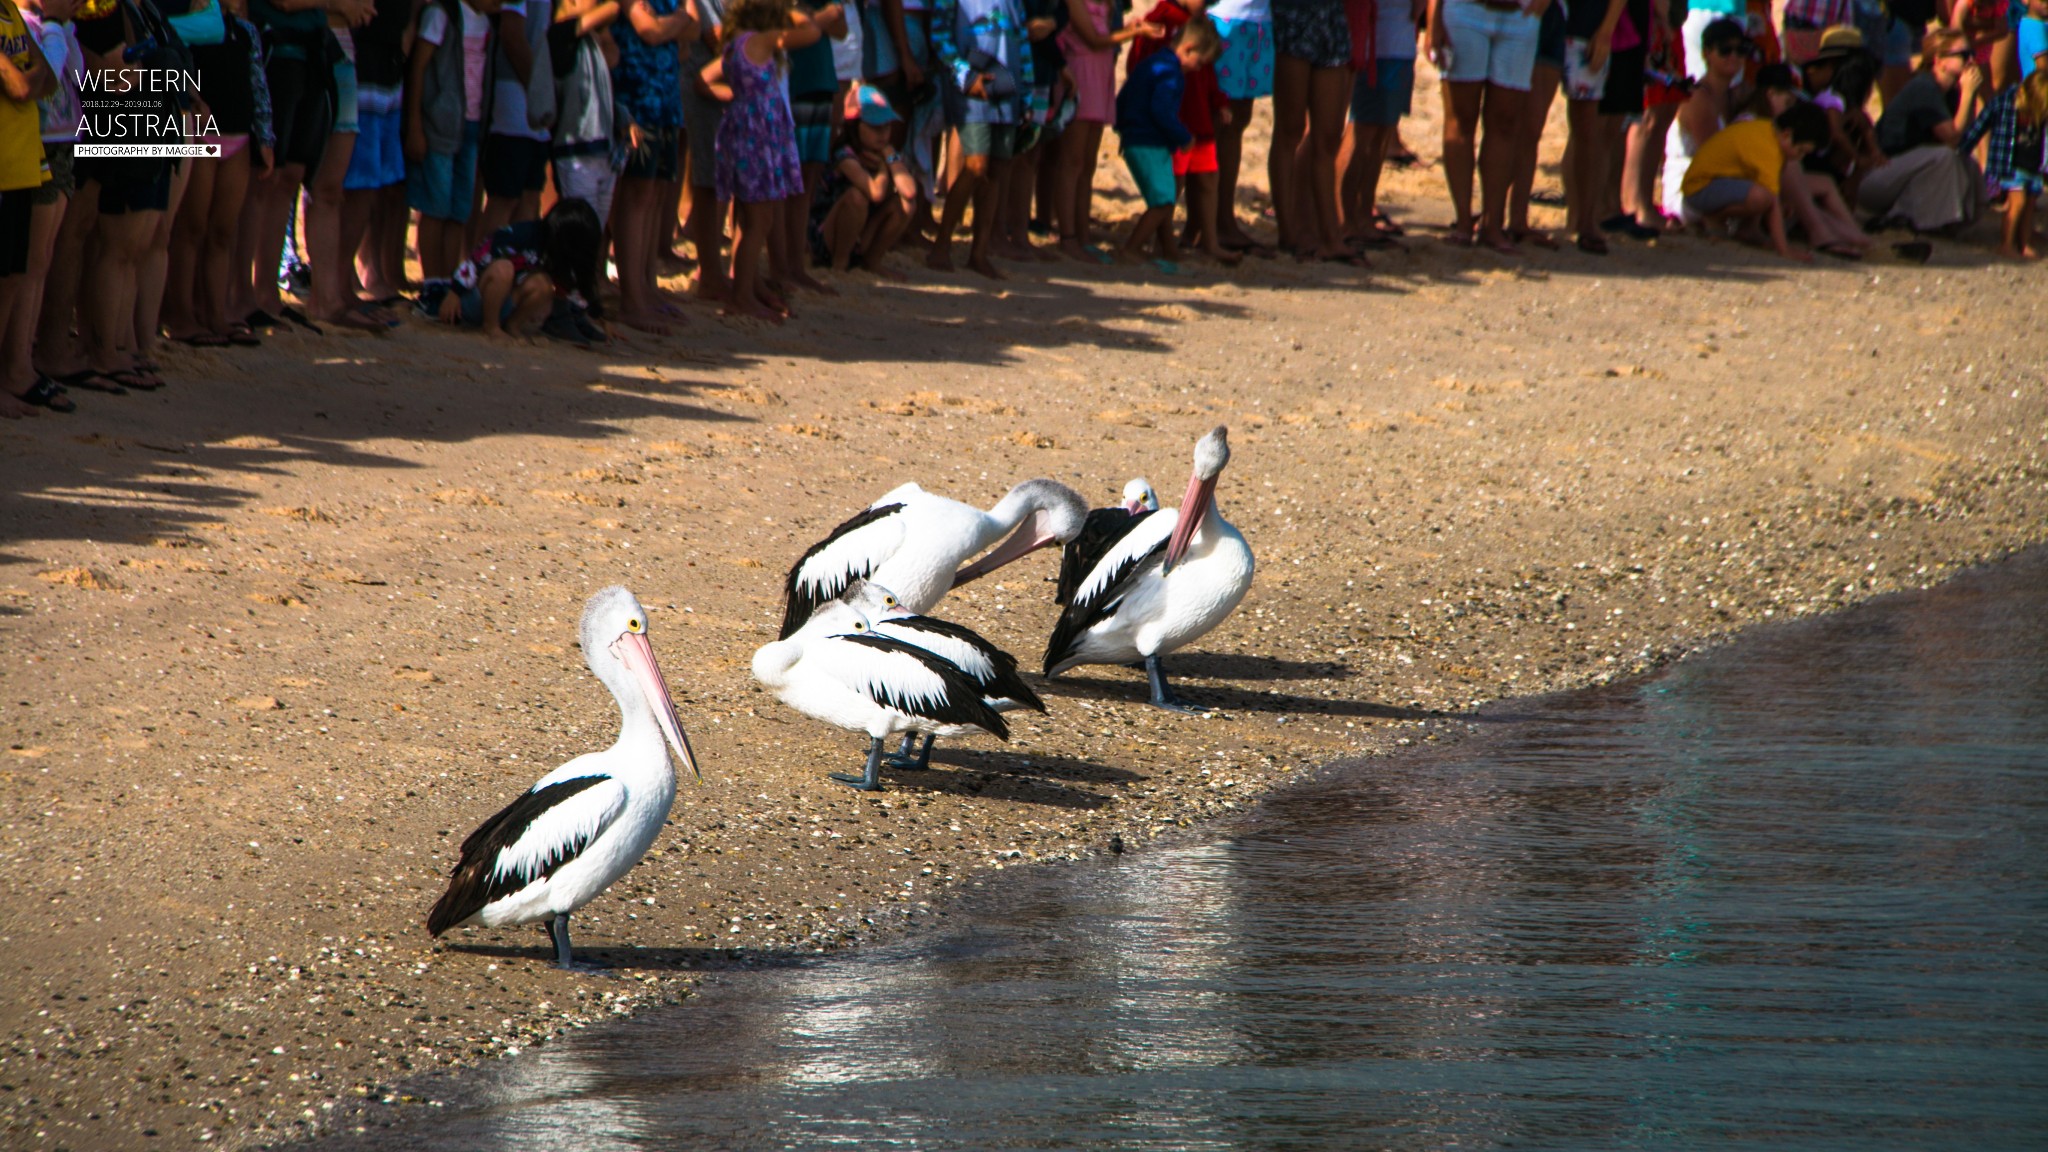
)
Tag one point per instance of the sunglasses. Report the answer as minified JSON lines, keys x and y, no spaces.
{"x":1965,"y":54}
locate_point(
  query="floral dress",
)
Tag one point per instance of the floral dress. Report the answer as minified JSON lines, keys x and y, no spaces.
{"x":757,"y":156}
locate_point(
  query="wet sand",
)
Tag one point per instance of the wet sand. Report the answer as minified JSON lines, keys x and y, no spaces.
{"x":278,"y":636}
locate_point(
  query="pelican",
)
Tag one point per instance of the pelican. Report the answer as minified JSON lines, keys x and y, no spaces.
{"x":1162,"y":584}
{"x":584,"y":825}
{"x":913,"y":542}
{"x":837,"y":669}
{"x":1100,"y":532}
{"x":993,"y":670}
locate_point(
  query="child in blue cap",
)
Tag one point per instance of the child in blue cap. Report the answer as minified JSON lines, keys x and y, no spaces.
{"x":864,"y":205}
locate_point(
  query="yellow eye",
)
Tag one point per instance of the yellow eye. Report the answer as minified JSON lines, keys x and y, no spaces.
{"x":889,"y":601}
{"x":859,"y":626}
{"x":634,"y":625}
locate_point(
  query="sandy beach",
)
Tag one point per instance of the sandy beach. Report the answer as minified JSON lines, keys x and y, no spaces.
{"x":278,"y":636}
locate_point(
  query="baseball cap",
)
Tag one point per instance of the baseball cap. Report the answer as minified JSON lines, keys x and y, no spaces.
{"x":874,"y":107}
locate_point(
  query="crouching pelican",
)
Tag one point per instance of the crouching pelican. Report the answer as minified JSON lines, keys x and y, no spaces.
{"x":993,"y":670}
{"x":836,"y":668}
{"x":1160,"y":585}
{"x":587,"y":823}
{"x":914,"y":543}
{"x":1100,"y":532}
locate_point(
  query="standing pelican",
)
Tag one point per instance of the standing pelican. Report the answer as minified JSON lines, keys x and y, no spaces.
{"x":837,"y":669}
{"x":914,"y":542}
{"x":1169,"y":579}
{"x":584,"y":825}
{"x":993,"y":670}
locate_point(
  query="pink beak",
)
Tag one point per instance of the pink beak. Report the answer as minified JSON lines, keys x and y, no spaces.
{"x":1134,"y":506}
{"x":1028,"y":538}
{"x":637,"y":654}
{"x":1193,"y":506}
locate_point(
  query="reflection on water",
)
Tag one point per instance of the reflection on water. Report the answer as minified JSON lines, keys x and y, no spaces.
{"x":1787,"y":895}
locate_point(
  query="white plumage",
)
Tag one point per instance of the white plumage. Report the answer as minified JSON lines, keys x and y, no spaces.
{"x":914,"y":543}
{"x":585,"y":824}
{"x":1170,"y":579}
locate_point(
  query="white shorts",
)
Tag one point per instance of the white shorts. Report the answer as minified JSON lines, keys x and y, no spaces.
{"x":591,"y":179}
{"x":1491,"y":45}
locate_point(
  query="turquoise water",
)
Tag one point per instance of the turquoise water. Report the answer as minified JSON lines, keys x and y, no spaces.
{"x":1788,"y":894}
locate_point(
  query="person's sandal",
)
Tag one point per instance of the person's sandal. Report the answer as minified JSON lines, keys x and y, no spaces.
{"x":47,"y":393}
{"x":1592,"y":245}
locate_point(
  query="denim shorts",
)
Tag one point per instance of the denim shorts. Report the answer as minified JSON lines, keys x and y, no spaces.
{"x":379,"y":158}
{"x":443,"y":185}
{"x":1385,"y":100}
{"x":1152,"y":169}
{"x":1720,"y":194}
{"x":1490,"y":45}
{"x":346,"y":114}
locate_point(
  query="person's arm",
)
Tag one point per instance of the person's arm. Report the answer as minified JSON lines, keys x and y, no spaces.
{"x":946,"y":46}
{"x":653,"y":29}
{"x":14,"y":83}
{"x":713,"y":80}
{"x":415,"y":124}
{"x":512,"y":39}
{"x":1950,"y":130}
{"x":831,"y":20}
{"x":1439,"y":40}
{"x":1603,"y":36}
{"x":1166,"y":111}
{"x":873,"y":185}
{"x":1981,"y":125}
{"x":1774,"y":222}
{"x":801,"y":33}
{"x":261,"y":129}
{"x":1083,"y":25}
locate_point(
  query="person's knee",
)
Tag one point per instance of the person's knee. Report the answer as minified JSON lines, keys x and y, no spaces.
{"x":536,"y":286}
{"x":975,"y":167}
{"x":494,"y":275}
{"x":1759,"y":200}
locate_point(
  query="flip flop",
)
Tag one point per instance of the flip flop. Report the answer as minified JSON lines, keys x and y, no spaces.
{"x":93,"y":380}
{"x":1543,"y":240}
{"x":1169,"y":267}
{"x":48,"y":393}
{"x":1592,"y":245}
{"x":136,"y":379}
{"x":240,"y":336}
{"x":202,"y":340}
{"x":1385,"y":224}
{"x":1839,"y":252}
{"x":299,"y":318}
{"x":263,"y":320}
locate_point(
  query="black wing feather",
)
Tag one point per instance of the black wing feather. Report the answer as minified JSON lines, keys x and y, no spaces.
{"x":798,"y":604}
{"x":1099,"y":533}
{"x":474,"y":882}
{"x":962,"y":703}
{"x":1006,"y":684}
{"x":1079,"y":617}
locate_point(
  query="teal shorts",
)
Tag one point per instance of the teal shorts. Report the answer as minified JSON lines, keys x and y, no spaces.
{"x":1152,"y":168}
{"x":995,"y":141}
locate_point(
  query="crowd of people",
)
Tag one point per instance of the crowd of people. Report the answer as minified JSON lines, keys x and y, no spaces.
{"x":532,"y":153}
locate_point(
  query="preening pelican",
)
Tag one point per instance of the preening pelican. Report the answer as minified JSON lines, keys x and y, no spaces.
{"x":1163,"y":583}
{"x":836,"y":669}
{"x":1100,"y":532}
{"x":584,"y":825}
{"x":993,"y":670}
{"x":914,"y":543}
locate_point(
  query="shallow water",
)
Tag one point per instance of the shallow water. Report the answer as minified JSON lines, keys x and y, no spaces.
{"x":1789,"y":894}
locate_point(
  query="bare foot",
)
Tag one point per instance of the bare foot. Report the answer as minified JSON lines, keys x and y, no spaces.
{"x":1222,"y":256}
{"x":646,"y":322}
{"x":987,"y":268}
{"x":810,"y":283}
{"x":12,"y":408}
{"x":714,"y":288}
{"x":772,"y":300}
{"x":883,"y":270}
{"x":752,"y":311}
{"x":940,"y":259}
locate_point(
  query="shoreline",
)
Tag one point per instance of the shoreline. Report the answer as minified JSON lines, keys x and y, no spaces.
{"x":361,"y":1123}
{"x":280,"y":634}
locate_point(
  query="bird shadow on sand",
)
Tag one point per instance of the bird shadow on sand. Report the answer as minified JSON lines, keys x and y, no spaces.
{"x":622,"y":962}
{"x":1226,"y":698}
{"x":1240,"y":666}
{"x":1026,"y":777}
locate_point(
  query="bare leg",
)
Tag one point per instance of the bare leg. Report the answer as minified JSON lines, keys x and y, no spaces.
{"x":56,"y":352}
{"x":182,"y":297}
{"x":1229,"y":162}
{"x":1528,"y":141}
{"x":1645,"y":156}
{"x":1461,"y":136}
{"x":1291,"y":80}
{"x":217,"y":261}
{"x":707,"y":235}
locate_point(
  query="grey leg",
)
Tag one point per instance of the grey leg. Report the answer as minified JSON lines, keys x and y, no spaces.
{"x":558,"y":933}
{"x":1162,"y":692}
{"x":870,"y":778}
{"x":903,"y":757}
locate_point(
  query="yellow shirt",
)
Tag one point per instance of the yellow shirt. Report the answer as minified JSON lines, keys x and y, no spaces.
{"x":21,"y":131}
{"x":1745,"y":151}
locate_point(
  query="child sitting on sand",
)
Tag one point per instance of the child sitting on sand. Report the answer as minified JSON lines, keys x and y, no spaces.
{"x":510,"y":285}
{"x":1738,"y":172}
{"x":1148,"y":121}
{"x":864,"y":204}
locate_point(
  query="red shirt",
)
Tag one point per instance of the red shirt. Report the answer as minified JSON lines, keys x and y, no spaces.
{"x":1200,"y":102}
{"x":1169,"y":15}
